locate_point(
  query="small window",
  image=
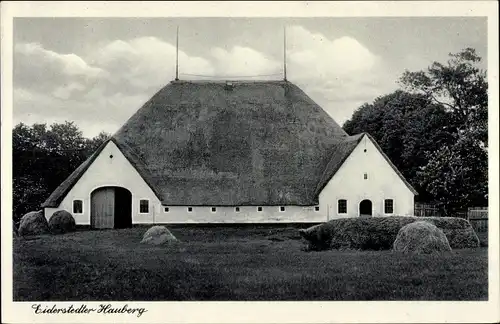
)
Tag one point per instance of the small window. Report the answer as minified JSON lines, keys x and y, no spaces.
{"x":389,"y":206}
{"x":259,"y":208}
{"x":342,"y":206}
{"x":143,"y":206}
{"x":365,"y":176}
{"x":77,"y":206}
{"x":316,"y":208}
{"x":237,"y":209}
{"x":190,"y":209}
{"x":214,"y":209}
{"x":166,"y":209}
{"x":282,"y":208}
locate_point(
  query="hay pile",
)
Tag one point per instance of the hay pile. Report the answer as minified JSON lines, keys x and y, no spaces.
{"x":33,"y":223}
{"x":458,"y":231}
{"x":379,"y":233}
{"x":158,"y":235}
{"x":61,"y":222}
{"x":421,"y":238}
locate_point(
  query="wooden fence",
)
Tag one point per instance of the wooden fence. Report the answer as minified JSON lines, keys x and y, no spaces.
{"x":426,"y":210}
{"x":477,"y":216}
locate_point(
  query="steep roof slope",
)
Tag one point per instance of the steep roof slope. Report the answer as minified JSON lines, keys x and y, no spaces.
{"x":249,"y":143}
{"x":252,"y":143}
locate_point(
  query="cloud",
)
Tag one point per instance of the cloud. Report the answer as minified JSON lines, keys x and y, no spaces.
{"x":67,"y":64}
{"x":38,"y":68}
{"x":340,"y":74}
{"x":92,"y":113}
{"x":105,"y":88}
{"x":315,"y":56}
{"x":145,"y":63}
{"x":243,"y":61}
{"x":108,"y":84}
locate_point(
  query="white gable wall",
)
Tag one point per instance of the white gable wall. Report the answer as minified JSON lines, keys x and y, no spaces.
{"x":348,"y":183}
{"x":103,"y":172}
{"x":382,"y":183}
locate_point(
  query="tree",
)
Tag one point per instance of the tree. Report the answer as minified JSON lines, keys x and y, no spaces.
{"x":457,"y":176}
{"x":42,"y":158}
{"x":460,"y":86}
{"x":408,"y":127}
{"x":93,"y":144}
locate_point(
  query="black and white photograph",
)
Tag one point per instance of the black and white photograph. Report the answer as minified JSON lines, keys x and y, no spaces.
{"x":232,"y":158}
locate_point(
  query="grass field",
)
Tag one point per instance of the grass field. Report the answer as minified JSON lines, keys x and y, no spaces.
{"x":227,"y":263}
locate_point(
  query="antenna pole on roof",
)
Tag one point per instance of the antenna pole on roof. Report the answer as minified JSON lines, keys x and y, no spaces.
{"x":284,"y":53}
{"x":177,"y":56}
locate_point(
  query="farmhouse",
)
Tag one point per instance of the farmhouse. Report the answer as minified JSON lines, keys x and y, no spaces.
{"x":232,"y":152}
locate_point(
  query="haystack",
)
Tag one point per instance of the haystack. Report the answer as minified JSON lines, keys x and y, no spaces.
{"x":458,"y":231}
{"x":61,"y":222}
{"x":379,"y":233}
{"x":158,"y":235}
{"x":421,"y":238}
{"x":33,"y":223}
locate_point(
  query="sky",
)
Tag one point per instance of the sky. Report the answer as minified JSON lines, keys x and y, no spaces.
{"x":97,"y":72}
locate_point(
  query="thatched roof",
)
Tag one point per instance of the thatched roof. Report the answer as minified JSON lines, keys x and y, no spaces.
{"x":252,"y":143}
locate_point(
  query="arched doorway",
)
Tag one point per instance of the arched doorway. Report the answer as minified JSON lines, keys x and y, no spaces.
{"x":365,"y":208}
{"x":111,"y":207}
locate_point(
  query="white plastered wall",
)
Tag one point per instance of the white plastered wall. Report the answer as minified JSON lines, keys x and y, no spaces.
{"x":108,"y":171}
{"x":382,"y":183}
{"x":246,"y":214}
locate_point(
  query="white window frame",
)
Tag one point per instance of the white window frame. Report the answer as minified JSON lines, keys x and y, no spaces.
{"x":189,"y":211}
{"x":166,"y":207}
{"x":316,"y":209}
{"x":282,"y":211}
{"x":261,"y":209}
{"x":73,"y":207}
{"x":393,"y":206}
{"x":213,"y":210}
{"x":149,"y":206}
{"x":346,"y":207}
{"x":237,"y":209}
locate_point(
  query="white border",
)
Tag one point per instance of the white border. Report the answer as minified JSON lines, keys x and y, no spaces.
{"x":259,"y":312}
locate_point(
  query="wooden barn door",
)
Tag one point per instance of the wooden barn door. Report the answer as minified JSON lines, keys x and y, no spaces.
{"x":103,"y":208}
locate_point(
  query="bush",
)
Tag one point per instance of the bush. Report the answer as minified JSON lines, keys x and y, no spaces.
{"x":379,"y":233}
{"x":61,"y":222}
{"x":421,"y":238}
{"x":33,"y":223}
{"x":157,"y":235}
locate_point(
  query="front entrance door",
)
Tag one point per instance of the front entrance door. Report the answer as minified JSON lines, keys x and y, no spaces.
{"x":123,"y":208}
{"x":365,"y":208}
{"x":102,"y":213}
